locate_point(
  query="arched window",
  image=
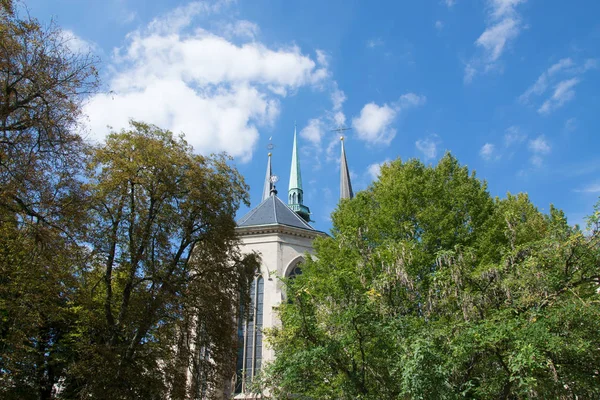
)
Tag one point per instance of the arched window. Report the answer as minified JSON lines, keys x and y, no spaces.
{"x":297,"y":270}
{"x":249,"y":358}
{"x":292,"y":273}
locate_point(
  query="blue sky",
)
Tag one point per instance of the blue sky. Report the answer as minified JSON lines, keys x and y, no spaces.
{"x":510,"y":87}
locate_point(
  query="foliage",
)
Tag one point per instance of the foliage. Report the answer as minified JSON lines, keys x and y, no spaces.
{"x":119,"y":268}
{"x":42,"y":83}
{"x":429,"y":288}
{"x":160,"y":291}
{"x":37,"y":313}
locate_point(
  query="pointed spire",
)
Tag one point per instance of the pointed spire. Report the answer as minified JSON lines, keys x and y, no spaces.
{"x":295,"y":192}
{"x":268,"y":182}
{"x":295,"y":175}
{"x":345,"y":184}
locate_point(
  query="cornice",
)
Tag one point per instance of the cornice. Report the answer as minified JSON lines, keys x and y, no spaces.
{"x":277,"y":228}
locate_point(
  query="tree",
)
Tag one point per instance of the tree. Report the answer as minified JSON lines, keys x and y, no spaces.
{"x":429,"y":288}
{"x":42,"y":84}
{"x":165,"y":275}
{"x":119,"y":281}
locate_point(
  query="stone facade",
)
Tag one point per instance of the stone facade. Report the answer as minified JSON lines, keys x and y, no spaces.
{"x":282,"y":236}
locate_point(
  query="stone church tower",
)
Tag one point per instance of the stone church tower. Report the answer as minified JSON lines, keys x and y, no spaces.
{"x":282,"y":235}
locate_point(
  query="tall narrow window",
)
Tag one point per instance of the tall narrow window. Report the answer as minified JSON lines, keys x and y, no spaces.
{"x":249,"y":356}
{"x":297,"y":270}
{"x":260,"y":294}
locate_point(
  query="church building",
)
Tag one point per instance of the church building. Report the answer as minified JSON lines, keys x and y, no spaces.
{"x":281,"y":233}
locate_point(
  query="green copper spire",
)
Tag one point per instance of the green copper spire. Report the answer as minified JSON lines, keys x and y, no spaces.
{"x":295,"y":192}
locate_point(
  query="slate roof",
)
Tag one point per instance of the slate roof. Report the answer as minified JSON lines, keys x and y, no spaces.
{"x":273,"y":211}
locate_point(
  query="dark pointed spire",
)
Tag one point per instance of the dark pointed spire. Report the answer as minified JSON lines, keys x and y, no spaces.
{"x":268,"y":182}
{"x":345,"y":184}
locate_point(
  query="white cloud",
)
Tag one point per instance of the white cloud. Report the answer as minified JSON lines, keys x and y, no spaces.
{"x":314,"y":131}
{"x":439,"y":25}
{"x":127,"y":16}
{"x":75,"y":43}
{"x":372,"y":43}
{"x":503,"y":26}
{"x":494,"y":38}
{"x":410,"y":100}
{"x":513,"y":135}
{"x":428,"y":146}
{"x":571,"y":124}
{"x":319,"y":131}
{"x":374,"y":124}
{"x":181,"y":17}
{"x":536,"y":160}
{"x":241,"y":29}
{"x":591,"y":188}
{"x":337,"y":98}
{"x":589,"y":64}
{"x":542,"y":82}
{"x":564,"y":75}
{"x":450,"y":3}
{"x":339,"y":118}
{"x":559,"y":66}
{"x":373,"y":170}
{"x":470,"y":72}
{"x":538,"y":147}
{"x":322,"y":58}
{"x":504,"y":8}
{"x":216,"y":92}
{"x":487,"y":151}
{"x":563,"y":93}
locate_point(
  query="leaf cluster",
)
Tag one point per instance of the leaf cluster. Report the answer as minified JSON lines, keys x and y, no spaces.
{"x":430,"y":288}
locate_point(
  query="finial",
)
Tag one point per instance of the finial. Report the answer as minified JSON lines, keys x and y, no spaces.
{"x":342,"y":138}
{"x":269,"y":154}
{"x":270,"y":146}
{"x":274,"y":179}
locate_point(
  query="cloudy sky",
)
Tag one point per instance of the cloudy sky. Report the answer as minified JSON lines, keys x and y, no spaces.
{"x":510,"y":87}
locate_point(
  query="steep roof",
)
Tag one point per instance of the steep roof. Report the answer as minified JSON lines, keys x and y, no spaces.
{"x":273,"y":211}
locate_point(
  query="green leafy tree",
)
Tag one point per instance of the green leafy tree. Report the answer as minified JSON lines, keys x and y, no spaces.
{"x":429,"y":288}
{"x":42,"y":84}
{"x":118,"y":281}
{"x":161,"y":291}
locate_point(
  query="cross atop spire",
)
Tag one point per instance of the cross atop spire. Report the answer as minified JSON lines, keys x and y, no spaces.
{"x":345,"y":184}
